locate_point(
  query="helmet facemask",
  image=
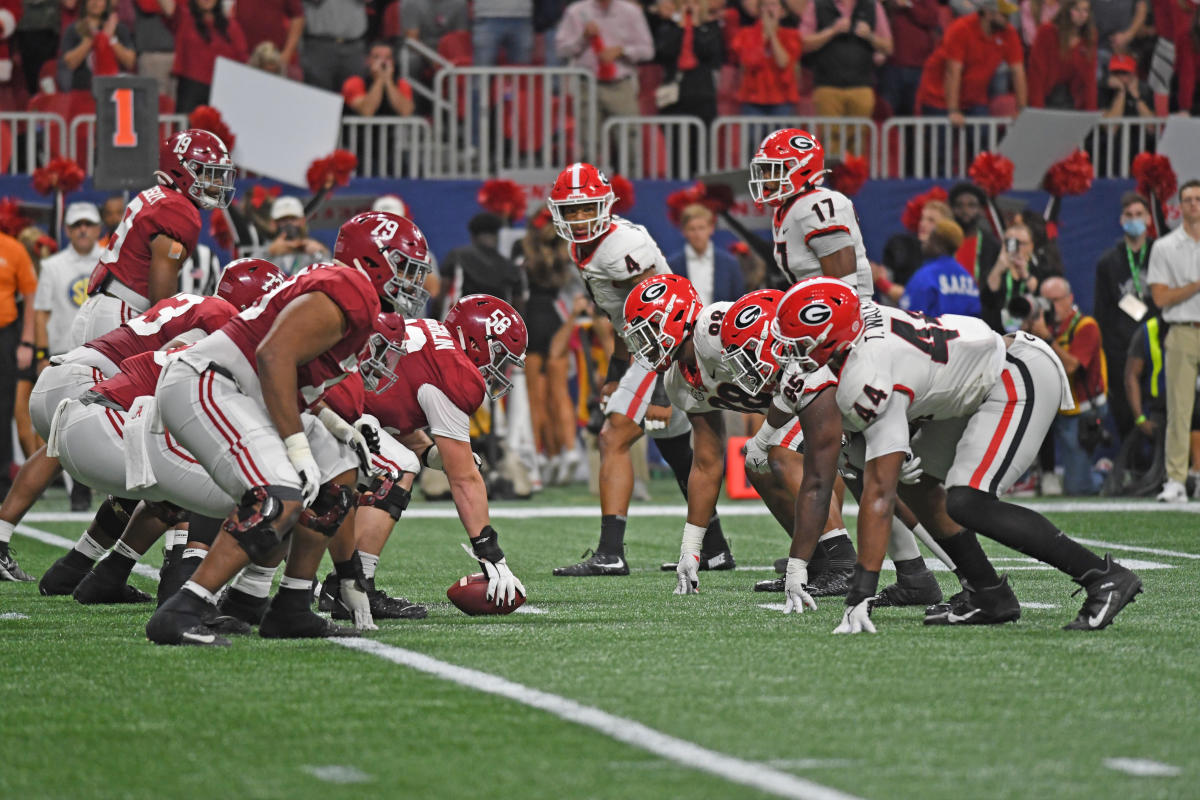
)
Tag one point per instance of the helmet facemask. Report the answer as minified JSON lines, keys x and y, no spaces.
{"x":406,"y":288}
{"x":596,"y":224}
{"x":379,"y":362}
{"x":212,"y":184}
{"x":495,"y":373}
{"x":750,"y":372}
{"x":647,"y":341}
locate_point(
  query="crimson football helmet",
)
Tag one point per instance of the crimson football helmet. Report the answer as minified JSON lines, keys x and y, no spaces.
{"x":746,"y":340}
{"x":385,"y":347}
{"x":246,"y":280}
{"x":196,"y":163}
{"x":660,"y":314}
{"x":581,"y":187}
{"x":392,"y":252}
{"x":788,"y":160}
{"x":817,"y":318}
{"x":493,"y":336}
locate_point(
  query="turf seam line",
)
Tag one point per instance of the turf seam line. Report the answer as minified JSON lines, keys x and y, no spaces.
{"x":757,"y":775}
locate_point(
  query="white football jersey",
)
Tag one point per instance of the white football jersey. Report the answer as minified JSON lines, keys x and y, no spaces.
{"x":798,"y":388}
{"x":625,"y":251}
{"x":709,"y":386}
{"x":815,"y":224}
{"x":946,"y":365}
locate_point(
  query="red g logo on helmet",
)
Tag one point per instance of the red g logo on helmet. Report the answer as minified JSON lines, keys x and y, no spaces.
{"x":787,"y":162}
{"x":653,"y":292}
{"x":746,"y":340}
{"x":660,"y":314}
{"x":815,"y":314}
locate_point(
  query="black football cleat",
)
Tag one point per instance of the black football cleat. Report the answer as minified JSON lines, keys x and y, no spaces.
{"x":10,"y":570}
{"x":1108,"y":591}
{"x":180,"y":621}
{"x":994,"y":605}
{"x":329,"y":594}
{"x":240,"y":605}
{"x":830,"y":582}
{"x":226,"y":625}
{"x":713,"y":562}
{"x":771,"y":585}
{"x":299,"y":624}
{"x":383,"y":605}
{"x":919,"y":589}
{"x":98,"y":587}
{"x":595,"y":564}
{"x":64,"y":575}
{"x":174,"y":575}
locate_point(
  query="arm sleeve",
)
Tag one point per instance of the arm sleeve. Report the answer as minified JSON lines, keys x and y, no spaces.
{"x":445,"y":418}
{"x":1085,"y":342}
{"x":888,"y":433}
{"x":640,"y":46}
{"x":568,"y":39}
{"x":353,"y":88}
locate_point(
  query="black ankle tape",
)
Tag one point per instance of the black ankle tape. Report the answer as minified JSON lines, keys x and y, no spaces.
{"x":863,"y":584}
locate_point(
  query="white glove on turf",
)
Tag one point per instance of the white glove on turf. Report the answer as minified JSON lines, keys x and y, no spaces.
{"x":756,"y":455}
{"x":356,"y":600}
{"x":302,"y":460}
{"x":857,"y":619}
{"x":688,"y":570}
{"x":794,"y":588}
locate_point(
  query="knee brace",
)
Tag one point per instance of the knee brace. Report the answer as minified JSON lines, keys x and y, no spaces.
{"x":113,"y":515}
{"x":326,"y":513}
{"x":168,"y":513}
{"x":251,"y":522}
{"x":386,"y":495}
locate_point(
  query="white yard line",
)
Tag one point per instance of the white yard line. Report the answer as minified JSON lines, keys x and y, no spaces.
{"x":1136,"y":549}
{"x":755,"y":774}
{"x":144,"y":570}
{"x":1142,"y":767}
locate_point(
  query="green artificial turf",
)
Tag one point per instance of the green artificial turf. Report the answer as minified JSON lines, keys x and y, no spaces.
{"x":91,"y":710}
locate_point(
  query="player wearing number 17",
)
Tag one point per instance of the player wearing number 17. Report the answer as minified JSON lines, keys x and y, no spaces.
{"x":983,"y":404}
{"x":158,"y":231}
{"x":816,"y":229}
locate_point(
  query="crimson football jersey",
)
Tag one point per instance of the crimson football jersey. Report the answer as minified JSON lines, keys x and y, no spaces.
{"x":432,"y":358}
{"x":348,"y":288}
{"x":155,"y":211}
{"x":138,"y":376}
{"x":166,"y":320}
{"x":347,"y":398}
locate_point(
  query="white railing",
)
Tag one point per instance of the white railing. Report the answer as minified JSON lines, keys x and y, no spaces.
{"x":506,"y":119}
{"x":29,"y":139}
{"x":389,"y":147}
{"x":930,"y":147}
{"x":664,"y":147}
{"x":1113,"y":143}
{"x":81,"y":139}
{"x":414,"y":54}
{"x":734,"y":139}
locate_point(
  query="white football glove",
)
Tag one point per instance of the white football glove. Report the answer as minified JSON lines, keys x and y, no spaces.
{"x":302,"y":460}
{"x":857,"y":619}
{"x":688,"y":569}
{"x":350,"y":435}
{"x":910,"y":470}
{"x":756,"y":455}
{"x":431,"y":457}
{"x":356,"y":600}
{"x":795,"y":589}
{"x":503,"y":586}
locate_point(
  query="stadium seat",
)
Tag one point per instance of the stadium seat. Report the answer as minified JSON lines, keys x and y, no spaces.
{"x":67,"y":105}
{"x":456,"y":48}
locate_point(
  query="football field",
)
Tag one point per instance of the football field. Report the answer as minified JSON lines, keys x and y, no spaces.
{"x":614,"y":687}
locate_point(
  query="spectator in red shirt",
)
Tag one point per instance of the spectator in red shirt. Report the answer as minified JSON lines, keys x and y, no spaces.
{"x":387,"y":95}
{"x":768,"y":54}
{"x":202,"y":33}
{"x":280,"y":22}
{"x":1187,"y":53}
{"x":96,"y":44}
{"x":915,"y":27}
{"x":1062,"y":63}
{"x":957,"y":76}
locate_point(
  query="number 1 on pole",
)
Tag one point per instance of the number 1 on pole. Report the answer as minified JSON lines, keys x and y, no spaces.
{"x":124,"y":133}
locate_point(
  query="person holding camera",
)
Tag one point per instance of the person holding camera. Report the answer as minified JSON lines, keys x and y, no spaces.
{"x":291,"y":250}
{"x":1075,"y":338}
{"x":1008,"y":293}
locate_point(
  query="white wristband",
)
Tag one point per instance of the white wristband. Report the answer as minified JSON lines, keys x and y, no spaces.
{"x":297,"y":446}
{"x":693,"y":537}
{"x":798,"y":568}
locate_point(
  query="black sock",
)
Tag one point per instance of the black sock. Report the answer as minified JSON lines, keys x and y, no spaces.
{"x":714,"y":539}
{"x":677,"y":452}
{"x":1020,"y":528}
{"x":973,"y":565}
{"x":203,"y":529}
{"x":612,"y":535}
{"x":913,"y":566}
{"x":839,"y":550}
{"x":292,"y":600}
{"x":115,"y":567}
{"x":78,"y":560}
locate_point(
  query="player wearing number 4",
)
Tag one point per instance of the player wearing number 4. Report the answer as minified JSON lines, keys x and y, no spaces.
{"x":157,"y":232}
{"x":983,"y":404}
{"x":614,"y":255}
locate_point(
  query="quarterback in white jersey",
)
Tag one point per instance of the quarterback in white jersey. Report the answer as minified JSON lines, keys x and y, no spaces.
{"x":984,"y":404}
{"x":816,"y":229}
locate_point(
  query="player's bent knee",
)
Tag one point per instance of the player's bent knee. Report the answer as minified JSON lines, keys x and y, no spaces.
{"x":968,"y":506}
{"x":326,"y":513}
{"x":619,"y":433}
{"x":260,"y":522}
{"x":386,"y":495}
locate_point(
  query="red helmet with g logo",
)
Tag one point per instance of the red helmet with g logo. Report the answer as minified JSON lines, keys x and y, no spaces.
{"x":817,"y":318}
{"x":786,"y":162}
{"x":197,"y":163}
{"x":581,"y":186}
{"x":246,"y":280}
{"x":392,"y":252}
{"x":385,"y":347}
{"x":746,"y":339}
{"x":660,"y":314}
{"x":493,"y":336}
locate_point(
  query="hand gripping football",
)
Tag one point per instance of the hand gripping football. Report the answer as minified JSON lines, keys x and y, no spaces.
{"x":469,"y":595}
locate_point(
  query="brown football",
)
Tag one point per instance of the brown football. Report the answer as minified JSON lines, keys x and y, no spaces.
{"x":469,"y":595}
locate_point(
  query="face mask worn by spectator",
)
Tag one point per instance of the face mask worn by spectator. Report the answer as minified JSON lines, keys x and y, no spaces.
{"x":1134,"y":227}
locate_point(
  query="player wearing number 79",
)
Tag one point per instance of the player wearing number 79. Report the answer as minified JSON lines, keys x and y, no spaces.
{"x":983,"y":404}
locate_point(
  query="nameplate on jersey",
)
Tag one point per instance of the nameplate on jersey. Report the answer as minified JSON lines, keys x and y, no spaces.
{"x":127,"y":135}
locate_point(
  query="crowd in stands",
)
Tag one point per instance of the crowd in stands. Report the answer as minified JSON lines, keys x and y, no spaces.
{"x":859,"y":58}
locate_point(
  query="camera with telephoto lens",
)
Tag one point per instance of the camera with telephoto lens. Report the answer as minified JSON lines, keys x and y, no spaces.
{"x":1027,"y":307}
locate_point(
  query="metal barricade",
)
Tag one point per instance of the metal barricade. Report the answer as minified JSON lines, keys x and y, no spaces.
{"x":502,"y":119}
{"x":389,"y":147}
{"x":1113,"y":143}
{"x":662,"y":147}
{"x":415,"y":58}
{"x":30,"y":139}
{"x":734,"y":139}
{"x":930,"y":147}
{"x":81,"y":139}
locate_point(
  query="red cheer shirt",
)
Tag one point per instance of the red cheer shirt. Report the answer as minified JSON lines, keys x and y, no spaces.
{"x":979,"y":52}
{"x":762,"y":81}
{"x":195,"y":57}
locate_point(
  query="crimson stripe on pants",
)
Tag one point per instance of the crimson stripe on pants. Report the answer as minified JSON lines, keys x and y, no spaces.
{"x":231,"y":435}
{"x":1010,"y":390}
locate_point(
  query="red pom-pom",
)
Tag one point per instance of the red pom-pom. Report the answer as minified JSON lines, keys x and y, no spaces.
{"x":218,"y":226}
{"x":623,"y":189}
{"x":61,"y":174}
{"x":260,"y":195}
{"x":344,"y":163}
{"x":850,"y":175}
{"x":739,"y":248}
{"x":1155,"y":176}
{"x":504,"y":198}
{"x":334,"y":169}
{"x":715,"y":198}
{"x":913,"y":208}
{"x":542,"y":218}
{"x":209,"y":119}
{"x":12,"y":221}
{"x":992,"y":172}
{"x":1073,"y":175}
